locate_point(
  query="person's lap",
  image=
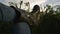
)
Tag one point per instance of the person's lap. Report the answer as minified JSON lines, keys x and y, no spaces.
{"x":21,"y":28}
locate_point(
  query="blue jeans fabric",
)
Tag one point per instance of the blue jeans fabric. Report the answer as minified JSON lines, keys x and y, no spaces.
{"x":21,"y":28}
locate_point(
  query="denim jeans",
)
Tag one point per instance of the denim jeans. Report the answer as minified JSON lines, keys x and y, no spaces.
{"x":21,"y":28}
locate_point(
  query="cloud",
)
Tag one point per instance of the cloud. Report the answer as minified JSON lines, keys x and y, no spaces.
{"x":11,"y":1}
{"x":31,"y":1}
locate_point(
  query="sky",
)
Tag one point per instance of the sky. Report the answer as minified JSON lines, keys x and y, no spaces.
{"x":34,"y":2}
